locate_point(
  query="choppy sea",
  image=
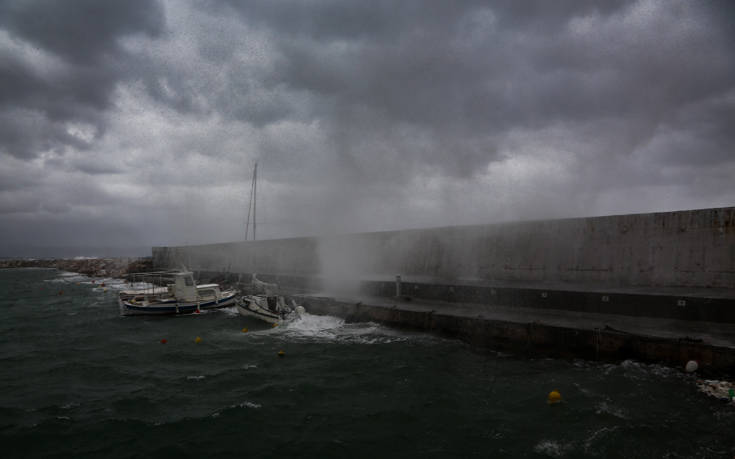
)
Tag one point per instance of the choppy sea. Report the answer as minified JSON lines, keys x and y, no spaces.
{"x":79,"y":380}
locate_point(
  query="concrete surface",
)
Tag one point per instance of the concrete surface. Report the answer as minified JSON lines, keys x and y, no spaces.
{"x":550,"y":332}
{"x":691,"y":248}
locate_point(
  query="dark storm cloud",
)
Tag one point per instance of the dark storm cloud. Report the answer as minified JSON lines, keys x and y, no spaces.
{"x":82,"y":41}
{"x":463,"y":74}
{"x":363,"y":114}
{"x":81,"y":31}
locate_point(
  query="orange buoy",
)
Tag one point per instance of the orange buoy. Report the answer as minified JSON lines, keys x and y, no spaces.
{"x":554,"y":397}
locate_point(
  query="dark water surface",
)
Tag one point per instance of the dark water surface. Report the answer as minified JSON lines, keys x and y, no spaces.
{"x":79,"y":380}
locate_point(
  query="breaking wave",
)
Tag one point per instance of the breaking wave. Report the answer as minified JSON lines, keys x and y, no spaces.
{"x":330,"y":328}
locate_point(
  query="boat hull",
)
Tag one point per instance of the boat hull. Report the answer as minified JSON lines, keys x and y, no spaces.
{"x":259,"y":313}
{"x":258,"y":307}
{"x":172,"y":306}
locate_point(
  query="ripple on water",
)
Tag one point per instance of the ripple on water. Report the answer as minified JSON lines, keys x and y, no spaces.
{"x":127,"y":395}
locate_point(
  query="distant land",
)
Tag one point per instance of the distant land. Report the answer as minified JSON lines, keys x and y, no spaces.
{"x":28,"y":251}
{"x":95,"y":267}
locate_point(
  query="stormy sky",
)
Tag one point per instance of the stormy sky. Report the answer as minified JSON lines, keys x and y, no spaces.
{"x":138,"y":122}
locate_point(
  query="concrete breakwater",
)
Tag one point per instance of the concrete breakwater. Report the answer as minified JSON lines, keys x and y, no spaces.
{"x":692,"y":248}
{"x":578,"y":286}
{"x":94,"y":267}
{"x":553,"y":333}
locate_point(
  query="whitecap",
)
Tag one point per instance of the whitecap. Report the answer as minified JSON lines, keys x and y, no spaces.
{"x":230,"y":311}
{"x":583,"y":390}
{"x":309,"y":324}
{"x":195,"y":378}
{"x":605,"y":408}
{"x":330,"y":328}
{"x":551,"y":448}
{"x":595,"y":435}
{"x":246,"y":404}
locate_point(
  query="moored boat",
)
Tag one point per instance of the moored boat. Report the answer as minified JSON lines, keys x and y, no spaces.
{"x":269,"y":308}
{"x":181,"y":296}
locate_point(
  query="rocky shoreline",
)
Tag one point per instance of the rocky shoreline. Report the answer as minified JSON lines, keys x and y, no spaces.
{"x":93,"y":267}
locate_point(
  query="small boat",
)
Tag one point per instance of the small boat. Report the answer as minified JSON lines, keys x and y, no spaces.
{"x":263,"y":302}
{"x":269,"y":308}
{"x":181,"y":296}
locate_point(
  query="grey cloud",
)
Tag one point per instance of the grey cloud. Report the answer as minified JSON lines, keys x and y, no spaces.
{"x":84,"y":36}
{"x":369,"y":115}
{"x":80,"y":31}
{"x":375,"y":67}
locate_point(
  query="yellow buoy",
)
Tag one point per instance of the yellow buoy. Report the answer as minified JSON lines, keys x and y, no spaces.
{"x":275,"y":325}
{"x":197,"y":340}
{"x":281,"y":353}
{"x":554,"y":397}
{"x":245,"y":330}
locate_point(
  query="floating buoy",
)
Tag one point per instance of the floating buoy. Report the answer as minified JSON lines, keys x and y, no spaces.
{"x":281,"y":353}
{"x":554,"y":397}
{"x":275,"y":325}
{"x":61,"y":292}
{"x":196,"y":311}
{"x":102,"y":284}
{"x":164,"y":341}
{"x":691,"y":366}
{"x":197,"y":340}
{"x":245,"y":330}
{"x":104,"y":290}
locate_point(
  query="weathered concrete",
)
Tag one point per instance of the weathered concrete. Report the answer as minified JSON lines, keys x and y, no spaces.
{"x":692,"y":248}
{"x":552,"y":333}
{"x":692,"y":304}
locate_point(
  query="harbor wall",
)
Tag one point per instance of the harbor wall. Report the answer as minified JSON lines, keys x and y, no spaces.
{"x":534,"y":338}
{"x":690,"y":248}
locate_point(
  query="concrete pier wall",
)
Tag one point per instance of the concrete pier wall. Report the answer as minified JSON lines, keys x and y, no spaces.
{"x":692,"y":248}
{"x":532,"y":337}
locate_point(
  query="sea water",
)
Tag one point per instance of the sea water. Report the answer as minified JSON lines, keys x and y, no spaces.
{"x":79,"y":380}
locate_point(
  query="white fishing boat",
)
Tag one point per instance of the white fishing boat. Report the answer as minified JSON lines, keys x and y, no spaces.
{"x":269,"y":308}
{"x":181,"y":296}
{"x":263,"y":302}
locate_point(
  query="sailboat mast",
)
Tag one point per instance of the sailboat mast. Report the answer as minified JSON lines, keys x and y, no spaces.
{"x":251,"y":203}
{"x":255,"y":193}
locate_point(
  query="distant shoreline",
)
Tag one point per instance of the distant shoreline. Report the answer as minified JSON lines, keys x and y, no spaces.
{"x":94,"y":267}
